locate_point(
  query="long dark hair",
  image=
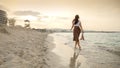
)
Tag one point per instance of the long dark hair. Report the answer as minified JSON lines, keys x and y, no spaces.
{"x":76,"y":19}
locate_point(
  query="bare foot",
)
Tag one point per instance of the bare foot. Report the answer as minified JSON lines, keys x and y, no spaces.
{"x":75,"y":47}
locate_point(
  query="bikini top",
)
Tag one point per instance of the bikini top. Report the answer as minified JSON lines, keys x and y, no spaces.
{"x":77,"y":24}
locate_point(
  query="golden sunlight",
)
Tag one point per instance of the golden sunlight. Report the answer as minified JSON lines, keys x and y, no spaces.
{"x":28,"y":17}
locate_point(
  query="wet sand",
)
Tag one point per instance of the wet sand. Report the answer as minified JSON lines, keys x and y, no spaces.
{"x":68,"y":57}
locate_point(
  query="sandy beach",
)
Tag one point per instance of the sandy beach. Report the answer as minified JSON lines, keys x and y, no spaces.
{"x":22,"y":48}
{"x":26,"y":48}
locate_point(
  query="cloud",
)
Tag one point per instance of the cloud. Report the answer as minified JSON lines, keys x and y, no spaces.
{"x":23,"y":13}
{"x":63,"y":18}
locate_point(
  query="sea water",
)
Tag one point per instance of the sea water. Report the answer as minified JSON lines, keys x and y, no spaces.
{"x":99,"y":39}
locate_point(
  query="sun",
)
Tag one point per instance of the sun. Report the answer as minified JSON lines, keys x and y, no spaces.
{"x":29,"y":17}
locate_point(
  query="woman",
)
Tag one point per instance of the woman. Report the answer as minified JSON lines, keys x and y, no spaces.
{"x":77,"y":30}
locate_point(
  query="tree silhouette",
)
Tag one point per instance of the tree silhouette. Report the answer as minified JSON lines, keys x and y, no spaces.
{"x":27,"y":23}
{"x":12,"y":22}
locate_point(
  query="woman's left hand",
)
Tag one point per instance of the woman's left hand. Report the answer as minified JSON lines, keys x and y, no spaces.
{"x":82,"y":37}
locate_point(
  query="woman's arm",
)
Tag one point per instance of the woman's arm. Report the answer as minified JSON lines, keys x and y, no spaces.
{"x":72,"y":25}
{"x":82,"y":36}
{"x":81,"y":28}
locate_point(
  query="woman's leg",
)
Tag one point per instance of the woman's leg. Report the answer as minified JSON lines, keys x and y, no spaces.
{"x":79,"y":44}
{"x":76,"y":44}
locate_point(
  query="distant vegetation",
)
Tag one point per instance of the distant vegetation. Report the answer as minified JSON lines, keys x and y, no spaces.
{"x":4,"y":20}
{"x":12,"y":22}
{"x":69,"y":31}
{"x":27,"y":23}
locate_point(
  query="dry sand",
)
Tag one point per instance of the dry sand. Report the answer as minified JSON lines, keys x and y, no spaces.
{"x":25,"y":48}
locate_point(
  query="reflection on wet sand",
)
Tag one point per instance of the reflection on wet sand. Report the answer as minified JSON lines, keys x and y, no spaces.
{"x":69,"y":58}
{"x":74,"y":62}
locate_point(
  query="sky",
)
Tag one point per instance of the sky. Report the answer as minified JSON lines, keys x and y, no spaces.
{"x":99,"y":15}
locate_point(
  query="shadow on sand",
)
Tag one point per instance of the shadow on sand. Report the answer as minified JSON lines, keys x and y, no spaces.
{"x":74,"y":62}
